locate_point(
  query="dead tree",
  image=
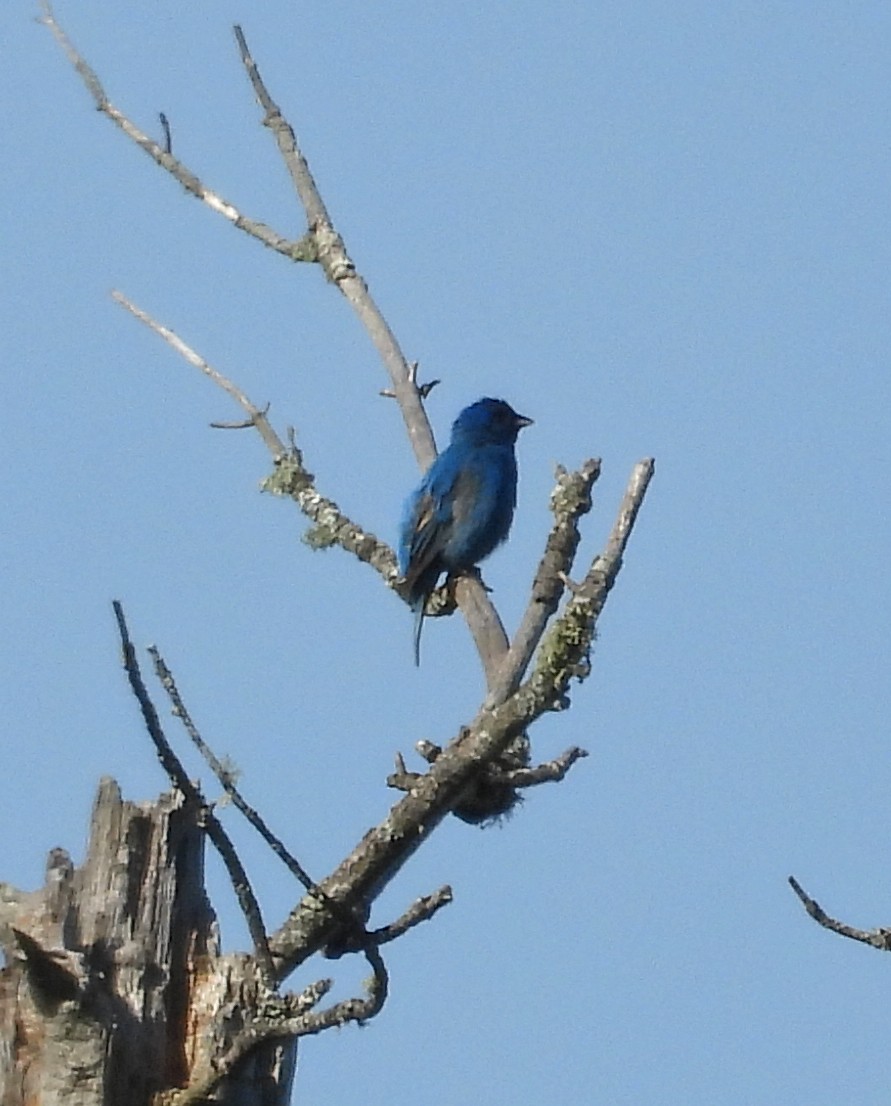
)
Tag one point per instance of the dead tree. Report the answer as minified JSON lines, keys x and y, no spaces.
{"x":115,"y":992}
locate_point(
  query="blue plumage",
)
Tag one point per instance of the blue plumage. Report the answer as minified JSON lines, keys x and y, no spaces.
{"x":463,"y":507}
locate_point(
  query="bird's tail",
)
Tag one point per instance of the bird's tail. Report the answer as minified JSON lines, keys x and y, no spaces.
{"x":419,"y":624}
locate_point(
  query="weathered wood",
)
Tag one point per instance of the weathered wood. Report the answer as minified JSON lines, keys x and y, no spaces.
{"x":114,"y":992}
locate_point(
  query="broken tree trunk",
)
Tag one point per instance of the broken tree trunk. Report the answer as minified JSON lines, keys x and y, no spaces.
{"x":114,"y":992}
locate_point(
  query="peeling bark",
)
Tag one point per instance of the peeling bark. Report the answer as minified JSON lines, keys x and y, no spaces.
{"x":114,"y":992}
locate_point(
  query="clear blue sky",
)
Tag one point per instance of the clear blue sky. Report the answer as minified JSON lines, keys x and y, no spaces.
{"x":656,"y":229}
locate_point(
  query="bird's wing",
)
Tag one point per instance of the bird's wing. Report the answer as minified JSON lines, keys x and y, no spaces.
{"x":425,"y":534}
{"x":431,"y":520}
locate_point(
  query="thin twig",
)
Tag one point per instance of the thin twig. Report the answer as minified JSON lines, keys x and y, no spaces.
{"x":165,"y":676}
{"x":290,"y":477}
{"x":295,"y":162}
{"x":878,"y":938}
{"x":165,"y":127}
{"x":353,"y":937}
{"x":256,"y":417}
{"x":169,"y":760}
{"x":421,"y":910}
{"x":243,"y":424}
{"x":211,"y":824}
{"x":551,"y":771}
{"x":167,"y":681}
{"x":299,"y":250}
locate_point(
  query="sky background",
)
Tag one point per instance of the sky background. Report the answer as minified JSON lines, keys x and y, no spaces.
{"x":657,"y":229}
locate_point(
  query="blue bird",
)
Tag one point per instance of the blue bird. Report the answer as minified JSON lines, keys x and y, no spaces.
{"x":463,"y":507}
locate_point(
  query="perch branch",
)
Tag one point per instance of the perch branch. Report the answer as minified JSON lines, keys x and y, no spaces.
{"x":879,"y":938}
{"x":178,"y":777}
{"x":431,"y":796}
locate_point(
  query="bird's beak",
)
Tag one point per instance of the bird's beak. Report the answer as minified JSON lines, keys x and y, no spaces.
{"x":523,"y":421}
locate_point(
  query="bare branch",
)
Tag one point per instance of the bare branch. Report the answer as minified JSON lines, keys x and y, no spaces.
{"x":256,"y":417}
{"x":358,"y":1010}
{"x":552,"y":771}
{"x":339,"y":266}
{"x":178,"y":777}
{"x":295,"y":162}
{"x":421,"y":910}
{"x":300,"y":250}
{"x":332,"y":526}
{"x":165,"y":676}
{"x":290,"y":478}
{"x":879,"y":938}
{"x":358,"y":939}
{"x":385,"y":848}
{"x":563,"y":655}
{"x":282,"y":1020}
{"x":570,"y":500}
{"x":565,"y":652}
{"x":169,"y":760}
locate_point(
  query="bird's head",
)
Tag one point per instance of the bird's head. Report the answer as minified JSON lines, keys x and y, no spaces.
{"x":488,"y":422}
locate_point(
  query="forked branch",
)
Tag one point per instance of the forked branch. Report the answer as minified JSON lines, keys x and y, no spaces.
{"x":180,"y":779}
